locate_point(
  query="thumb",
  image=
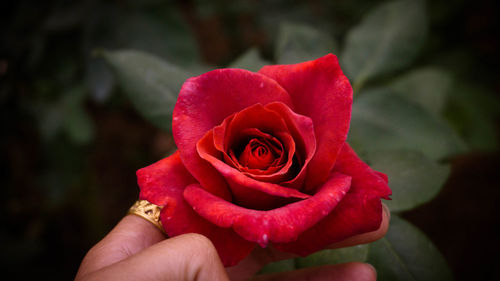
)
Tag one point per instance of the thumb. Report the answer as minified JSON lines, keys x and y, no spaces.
{"x":130,"y":236}
{"x":189,"y":257}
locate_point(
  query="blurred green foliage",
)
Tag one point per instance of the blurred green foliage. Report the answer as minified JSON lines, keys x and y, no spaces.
{"x":405,"y":253}
{"x":76,"y":127}
{"x":151,"y":84}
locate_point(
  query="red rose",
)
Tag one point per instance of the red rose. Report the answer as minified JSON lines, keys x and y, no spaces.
{"x":262,"y":159}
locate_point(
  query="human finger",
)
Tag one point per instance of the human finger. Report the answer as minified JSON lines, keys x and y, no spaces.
{"x":131,"y":235}
{"x":339,"y":272}
{"x":190,"y":257}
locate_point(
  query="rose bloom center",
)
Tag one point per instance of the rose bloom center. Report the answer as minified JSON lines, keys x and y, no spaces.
{"x":260,"y":153}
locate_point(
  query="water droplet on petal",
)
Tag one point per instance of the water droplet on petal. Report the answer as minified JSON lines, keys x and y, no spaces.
{"x":263,"y":241}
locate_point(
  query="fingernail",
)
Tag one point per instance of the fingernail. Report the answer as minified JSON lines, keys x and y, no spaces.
{"x":387,"y":211}
{"x":373,"y":268}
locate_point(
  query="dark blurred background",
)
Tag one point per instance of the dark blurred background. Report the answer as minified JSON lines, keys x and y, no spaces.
{"x":71,"y":141}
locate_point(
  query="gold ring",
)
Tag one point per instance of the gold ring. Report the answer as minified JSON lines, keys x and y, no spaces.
{"x":147,"y":211}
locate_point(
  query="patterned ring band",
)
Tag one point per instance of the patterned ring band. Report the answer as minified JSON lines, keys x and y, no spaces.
{"x":147,"y":211}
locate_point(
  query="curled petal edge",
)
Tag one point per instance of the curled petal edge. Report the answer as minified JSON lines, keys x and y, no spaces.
{"x":279,"y":225}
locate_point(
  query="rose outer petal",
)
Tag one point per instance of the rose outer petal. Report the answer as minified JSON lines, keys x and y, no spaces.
{"x":320,"y":91}
{"x":203,"y":103}
{"x":163,"y":183}
{"x":364,"y":178}
{"x":359,"y":211}
{"x":279,"y":225}
{"x":161,"y":179}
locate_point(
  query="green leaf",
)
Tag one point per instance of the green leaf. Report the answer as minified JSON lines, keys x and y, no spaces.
{"x":413,"y":178}
{"x":343,"y":255}
{"x":99,"y":80}
{"x":250,"y":60}
{"x":270,"y":13}
{"x":298,"y":43}
{"x":50,"y":120}
{"x":151,"y":83}
{"x":279,"y":266}
{"x":79,"y":126}
{"x":66,"y":115}
{"x":405,"y":253}
{"x":163,"y":33}
{"x":473,"y":111}
{"x":77,"y":123}
{"x":387,"y":39}
{"x":382,"y":120}
{"x":428,"y":87}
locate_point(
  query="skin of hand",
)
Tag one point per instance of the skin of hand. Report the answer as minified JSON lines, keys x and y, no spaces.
{"x":136,"y":250}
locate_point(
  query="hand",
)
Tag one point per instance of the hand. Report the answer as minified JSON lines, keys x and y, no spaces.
{"x":137,"y":250}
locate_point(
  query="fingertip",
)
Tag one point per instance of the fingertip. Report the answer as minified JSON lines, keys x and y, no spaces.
{"x":369,"y":236}
{"x":135,"y":227}
{"x":362,"y":271}
{"x":199,"y":245}
{"x":387,"y":211}
{"x":131,"y":235}
{"x":377,"y":234}
{"x":373,"y":269}
{"x":338,"y":272}
{"x":189,"y":256}
{"x":384,"y":225}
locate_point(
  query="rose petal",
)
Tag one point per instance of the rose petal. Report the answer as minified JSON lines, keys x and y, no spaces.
{"x":160,"y":179}
{"x":383,"y":176}
{"x":357,"y":213}
{"x":320,"y":91}
{"x":247,"y":191}
{"x":204,"y":102}
{"x":259,"y":154}
{"x":302,"y":130}
{"x":163,"y":183}
{"x":276,"y":173}
{"x":262,"y":122}
{"x":278,"y":225}
{"x":364,"y":178}
{"x":278,"y":119}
